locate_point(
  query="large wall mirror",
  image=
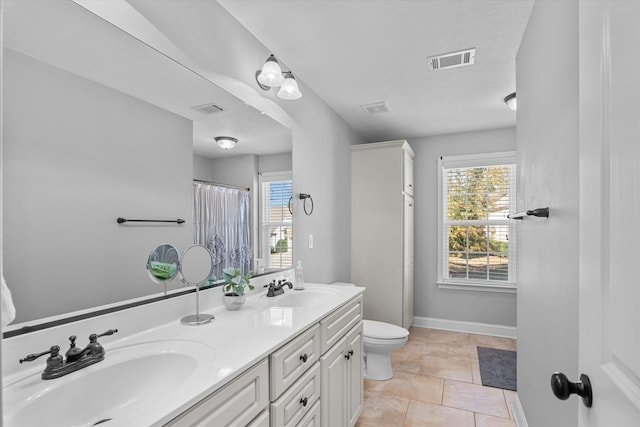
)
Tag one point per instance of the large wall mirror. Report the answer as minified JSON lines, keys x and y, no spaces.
{"x":98,"y":125}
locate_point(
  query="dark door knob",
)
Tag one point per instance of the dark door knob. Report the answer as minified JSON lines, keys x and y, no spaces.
{"x":563,"y":388}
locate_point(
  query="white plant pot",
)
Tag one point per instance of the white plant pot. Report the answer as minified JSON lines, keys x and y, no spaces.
{"x":233,"y":302}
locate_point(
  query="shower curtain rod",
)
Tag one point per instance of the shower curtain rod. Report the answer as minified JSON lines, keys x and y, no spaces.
{"x":237,"y":187}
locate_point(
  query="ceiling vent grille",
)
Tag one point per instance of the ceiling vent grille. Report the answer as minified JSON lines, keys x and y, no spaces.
{"x":208,"y":108}
{"x":452,"y":60}
{"x":376,"y":108}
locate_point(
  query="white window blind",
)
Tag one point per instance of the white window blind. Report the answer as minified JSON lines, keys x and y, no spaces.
{"x":276,"y":222}
{"x":477,"y":240}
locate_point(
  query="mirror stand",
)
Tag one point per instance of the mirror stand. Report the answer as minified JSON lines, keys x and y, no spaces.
{"x":198,"y":318}
{"x":196,"y":267}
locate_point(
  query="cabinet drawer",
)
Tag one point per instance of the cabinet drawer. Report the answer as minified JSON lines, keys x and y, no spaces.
{"x":293,"y":405}
{"x":337,"y":324}
{"x":312,"y":419}
{"x":236,"y":404}
{"x":292,"y":360}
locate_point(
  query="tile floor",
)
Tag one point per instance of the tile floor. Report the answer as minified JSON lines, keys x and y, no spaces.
{"x":437,"y":383}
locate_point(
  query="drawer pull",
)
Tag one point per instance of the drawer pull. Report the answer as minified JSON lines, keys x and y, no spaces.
{"x":303,"y":357}
{"x":348,"y":355}
{"x":304,"y":401}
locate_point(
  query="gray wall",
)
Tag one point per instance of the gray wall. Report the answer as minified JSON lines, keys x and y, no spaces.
{"x":471,"y":306}
{"x":77,"y":155}
{"x":548,"y":263}
{"x":275,"y":163}
{"x":321,"y":150}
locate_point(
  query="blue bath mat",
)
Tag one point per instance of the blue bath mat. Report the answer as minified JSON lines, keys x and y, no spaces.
{"x":498,"y":368}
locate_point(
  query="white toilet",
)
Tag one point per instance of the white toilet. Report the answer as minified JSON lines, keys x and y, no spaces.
{"x":378,"y":340}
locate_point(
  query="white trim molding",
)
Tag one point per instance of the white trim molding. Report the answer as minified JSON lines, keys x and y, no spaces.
{"x":518,"y":413}
{"x":468,"y":327}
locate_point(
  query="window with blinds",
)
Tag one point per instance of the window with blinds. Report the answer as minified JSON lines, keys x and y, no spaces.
{"x":276,"y":221}
{"x":477,"y":239}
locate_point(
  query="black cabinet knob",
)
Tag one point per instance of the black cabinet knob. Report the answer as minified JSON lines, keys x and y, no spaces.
{"x":303,"y":357}
{"x":563,"y":388}
{"x":304,"y":401}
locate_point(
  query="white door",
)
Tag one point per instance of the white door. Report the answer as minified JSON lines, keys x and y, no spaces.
{"x":609,"y":208}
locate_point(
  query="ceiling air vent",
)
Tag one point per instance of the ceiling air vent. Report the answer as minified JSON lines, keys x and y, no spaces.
{"x":452,"y":60}
{"x":375,"y":108}
{"x":207,"y":108}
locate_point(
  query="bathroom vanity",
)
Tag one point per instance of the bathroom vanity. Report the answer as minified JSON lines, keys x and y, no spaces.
{"x":314,"y":379}
{"x":290,"y":360}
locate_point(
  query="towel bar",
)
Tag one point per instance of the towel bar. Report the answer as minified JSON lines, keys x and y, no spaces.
{"x":123,"y":220}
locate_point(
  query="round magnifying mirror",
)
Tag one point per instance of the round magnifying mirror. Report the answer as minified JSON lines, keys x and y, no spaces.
{"x":196,"y":267}
{"x":163,"y":263}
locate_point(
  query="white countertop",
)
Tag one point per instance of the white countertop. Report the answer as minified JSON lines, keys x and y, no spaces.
{"x":237,"y":340}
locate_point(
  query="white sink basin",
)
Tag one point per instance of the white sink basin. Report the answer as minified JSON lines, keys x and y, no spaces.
{"x":307,"y":297}
{"x":129,"y":378}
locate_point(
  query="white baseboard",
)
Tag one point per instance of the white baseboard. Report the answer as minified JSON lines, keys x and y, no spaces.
{"x":518,"y":413}
{"x":468,"y":327}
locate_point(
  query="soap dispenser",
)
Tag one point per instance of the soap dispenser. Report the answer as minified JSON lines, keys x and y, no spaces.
{"x":299,"y":282}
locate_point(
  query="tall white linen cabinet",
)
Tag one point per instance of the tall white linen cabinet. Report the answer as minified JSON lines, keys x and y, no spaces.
{"x":382,"y":206}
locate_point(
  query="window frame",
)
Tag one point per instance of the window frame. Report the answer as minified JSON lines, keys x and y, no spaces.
{"x":468,"y":161}
{"x":264,"y":177}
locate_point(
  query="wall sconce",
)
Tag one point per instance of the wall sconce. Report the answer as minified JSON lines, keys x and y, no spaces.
{"x":226,"y":142}
{"x":511,"y":102}
{"x":271,"y":75}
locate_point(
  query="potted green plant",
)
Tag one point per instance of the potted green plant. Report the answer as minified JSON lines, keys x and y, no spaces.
{"x":234,"y":288}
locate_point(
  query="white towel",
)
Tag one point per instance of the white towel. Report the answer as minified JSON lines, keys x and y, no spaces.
{"x":8,"y":309}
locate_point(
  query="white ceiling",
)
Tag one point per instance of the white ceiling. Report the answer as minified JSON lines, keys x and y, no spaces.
{"x":355,"y":52}
{"x":349,"y":52}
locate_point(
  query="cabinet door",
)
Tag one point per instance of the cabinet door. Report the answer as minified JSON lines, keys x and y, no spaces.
{"x":236,"y":404}
{"x":407,"y":171}
{"x":333,"y":376}
{"x":407,"y":274}
{"x":261,"y":420}
{"x":354,"y":391}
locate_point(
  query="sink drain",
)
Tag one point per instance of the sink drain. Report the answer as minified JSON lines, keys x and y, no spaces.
{"x":102,"y":421}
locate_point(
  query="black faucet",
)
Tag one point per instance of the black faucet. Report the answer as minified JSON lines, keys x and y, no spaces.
{"x":76,"y":359}
{"x":276,"y":289}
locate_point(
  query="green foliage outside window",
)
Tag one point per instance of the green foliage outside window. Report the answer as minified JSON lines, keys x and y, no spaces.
{"x":477,"y":203}
{"x":281,"y":246}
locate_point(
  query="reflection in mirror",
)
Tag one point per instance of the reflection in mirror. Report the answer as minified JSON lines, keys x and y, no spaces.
{"x":221,"y":223}
{"x":90,"y":133}
{"x":196,"y":267}
{"x":163,"y":264}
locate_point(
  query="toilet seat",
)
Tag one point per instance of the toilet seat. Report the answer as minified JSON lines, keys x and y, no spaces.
{"x":382,"y":331}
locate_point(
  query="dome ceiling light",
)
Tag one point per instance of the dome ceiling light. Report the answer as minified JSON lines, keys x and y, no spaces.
{"x":226,"y":142}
